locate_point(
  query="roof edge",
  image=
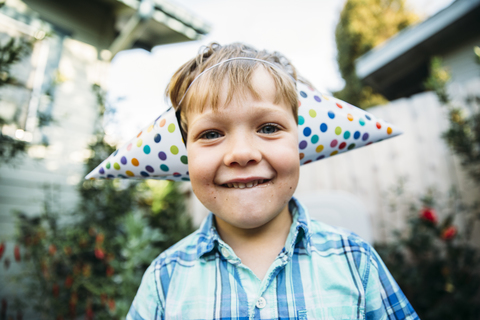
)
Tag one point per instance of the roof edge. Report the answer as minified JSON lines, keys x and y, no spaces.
{"x":411,"y":37}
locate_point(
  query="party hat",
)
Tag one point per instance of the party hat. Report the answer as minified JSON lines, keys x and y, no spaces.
{"x":157,"y":152}
{"x":326,"y":126}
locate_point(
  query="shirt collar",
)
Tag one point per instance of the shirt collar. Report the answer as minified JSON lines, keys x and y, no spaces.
{"x":299,"y":232}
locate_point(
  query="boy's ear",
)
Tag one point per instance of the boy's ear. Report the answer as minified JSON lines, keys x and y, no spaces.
{"x":326,"y":126}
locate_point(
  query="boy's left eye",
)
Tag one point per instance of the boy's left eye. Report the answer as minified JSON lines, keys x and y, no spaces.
{"x":269,"y":128}
{"x":209,"y":135}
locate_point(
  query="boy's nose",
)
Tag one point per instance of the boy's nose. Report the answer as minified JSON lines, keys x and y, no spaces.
{"x":242,"y":151}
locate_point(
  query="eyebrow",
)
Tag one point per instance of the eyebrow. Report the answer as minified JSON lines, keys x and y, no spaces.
{"x":256,"y":111}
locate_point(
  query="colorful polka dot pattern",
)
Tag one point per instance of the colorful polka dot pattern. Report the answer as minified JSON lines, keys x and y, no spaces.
{"x":156,"y":152}
{"x":328,"y":126}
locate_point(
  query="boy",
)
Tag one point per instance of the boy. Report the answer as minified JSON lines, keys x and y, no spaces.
{"x":257,"y":255}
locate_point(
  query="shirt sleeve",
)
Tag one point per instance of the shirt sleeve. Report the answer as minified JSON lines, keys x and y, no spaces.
{"x":146,"y":305}
{"x":384,"y":298}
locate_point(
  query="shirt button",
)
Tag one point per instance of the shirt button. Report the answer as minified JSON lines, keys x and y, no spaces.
{"x":225,"y":252}
{"x":261,"y":303}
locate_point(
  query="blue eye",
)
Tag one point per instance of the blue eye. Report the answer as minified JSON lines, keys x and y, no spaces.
{"x":209,"y":135}
{"x":269,"y":128}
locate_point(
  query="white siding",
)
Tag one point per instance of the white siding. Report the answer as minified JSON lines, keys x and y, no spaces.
{"x":461,"y":62}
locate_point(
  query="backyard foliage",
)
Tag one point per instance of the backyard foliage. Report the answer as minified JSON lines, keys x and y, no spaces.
{"x":463,"y":135}
{"x":363,"y":25}
{"x":433,"y":260}
{"x":89,"y":263}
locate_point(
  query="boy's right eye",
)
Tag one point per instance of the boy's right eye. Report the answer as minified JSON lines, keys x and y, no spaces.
{"x":209,"y":135}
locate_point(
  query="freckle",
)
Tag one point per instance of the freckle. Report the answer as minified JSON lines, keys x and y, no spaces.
{"x":290,"y":187}
{"x":216,"y":197}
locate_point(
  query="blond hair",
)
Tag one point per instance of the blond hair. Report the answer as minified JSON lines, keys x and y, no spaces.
{"x":205,"y":91}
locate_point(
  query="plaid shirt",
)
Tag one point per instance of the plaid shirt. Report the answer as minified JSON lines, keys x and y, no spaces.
{"x":322,"y":273}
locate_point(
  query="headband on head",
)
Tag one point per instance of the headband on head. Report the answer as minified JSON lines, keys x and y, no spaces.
{"x":326,"y":126}
{"x":231,"y":59}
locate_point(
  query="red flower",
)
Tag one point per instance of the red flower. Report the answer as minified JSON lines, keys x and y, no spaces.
{"x":428,"y":214}
{"x":52,"y":249}
{"x":449,"y":233}
{"x":55,"y":290}
{"x":2,"y":249}
{"x":73,"y":299}
{"x":68,"y":281}
{"x":111,"y":305}
{"x":99,"y":253}
{"x":100,"y":238}
{"x":110,"y":271}
{"x":89,"y":311}
{"x":16,"y":253}
{"x":73,"y":304}
{"x":103,"y":298}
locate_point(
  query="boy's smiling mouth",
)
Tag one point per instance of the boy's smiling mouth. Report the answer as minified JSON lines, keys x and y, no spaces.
{"x":249,"y":184}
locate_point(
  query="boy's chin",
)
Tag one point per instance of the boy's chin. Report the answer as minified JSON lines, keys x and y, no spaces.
{"x":248,"y":218}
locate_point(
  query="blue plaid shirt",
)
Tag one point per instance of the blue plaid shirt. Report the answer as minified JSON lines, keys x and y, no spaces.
{"x":322,"y":273}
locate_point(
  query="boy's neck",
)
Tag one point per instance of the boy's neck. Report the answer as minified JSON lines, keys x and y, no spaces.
{"x":257,"y":247}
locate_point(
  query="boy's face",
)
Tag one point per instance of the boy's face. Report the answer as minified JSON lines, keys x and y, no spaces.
{"x":243,"y":157}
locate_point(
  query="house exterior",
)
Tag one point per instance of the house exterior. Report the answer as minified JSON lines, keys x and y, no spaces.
{"x":398,"y":67}
{"x":74,"y":42}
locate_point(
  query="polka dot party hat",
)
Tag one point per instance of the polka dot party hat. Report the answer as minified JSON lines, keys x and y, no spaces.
{"x":326,"y":126}
{"x":157,"y":152}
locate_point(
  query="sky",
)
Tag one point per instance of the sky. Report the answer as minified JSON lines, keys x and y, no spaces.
{"x":302,"y":30}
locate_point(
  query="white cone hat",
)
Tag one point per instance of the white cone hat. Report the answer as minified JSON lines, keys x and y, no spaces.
{"x":326,"y":126}
{"x":157,"y":152}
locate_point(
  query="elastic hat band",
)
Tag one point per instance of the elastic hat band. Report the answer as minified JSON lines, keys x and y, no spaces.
{"x":231,"y":59}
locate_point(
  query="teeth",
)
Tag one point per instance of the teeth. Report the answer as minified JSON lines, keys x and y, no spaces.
{"x":239,"y":185}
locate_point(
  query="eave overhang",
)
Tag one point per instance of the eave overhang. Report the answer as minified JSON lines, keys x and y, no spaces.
{"x":398,"y":67}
